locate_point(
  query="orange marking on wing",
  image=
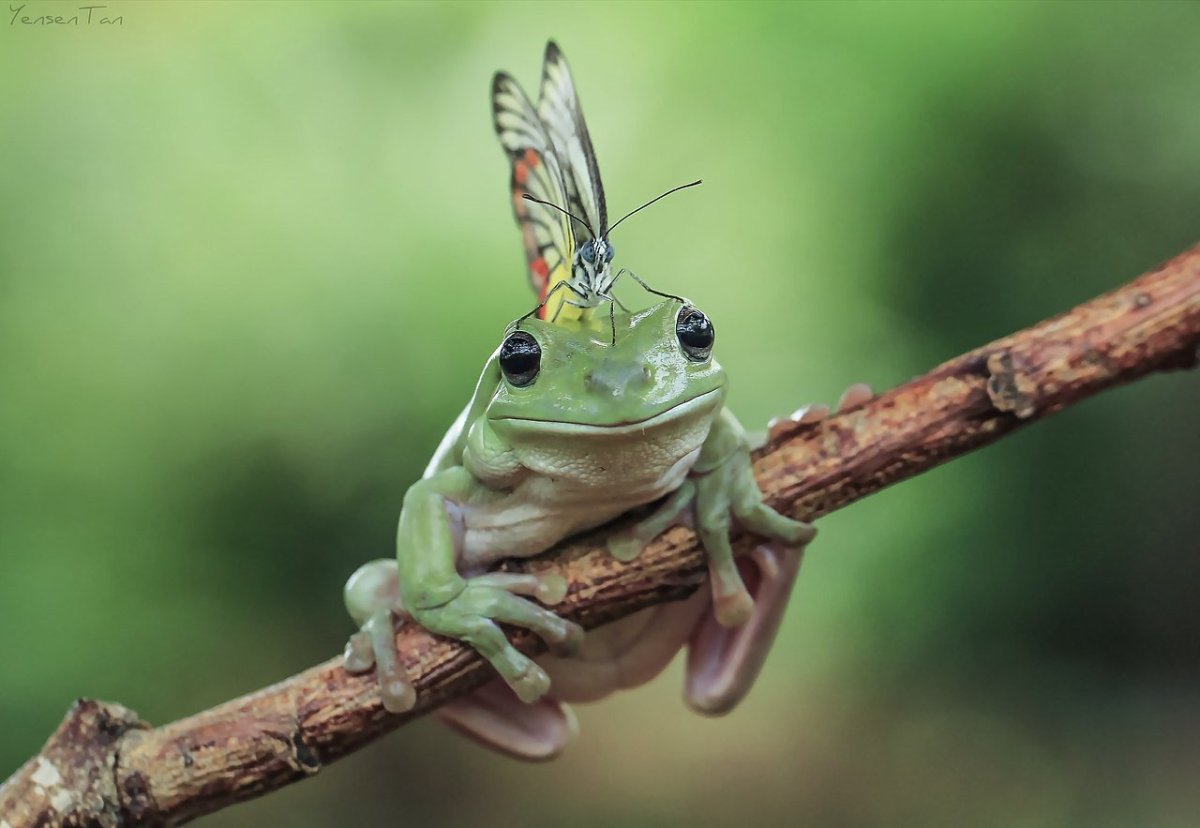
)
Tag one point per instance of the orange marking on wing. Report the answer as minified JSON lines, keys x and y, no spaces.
{"x":531,"y":158}
{"x":540,"y":267}
{"x":521,"y":172}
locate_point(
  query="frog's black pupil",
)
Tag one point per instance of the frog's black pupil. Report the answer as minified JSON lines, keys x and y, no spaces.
{"x":520,"y":358}
{"x":696,"y":334}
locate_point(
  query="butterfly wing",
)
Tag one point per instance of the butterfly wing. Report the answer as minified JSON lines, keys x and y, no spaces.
{"x":546,"y":233}
{"x":558,"y":108}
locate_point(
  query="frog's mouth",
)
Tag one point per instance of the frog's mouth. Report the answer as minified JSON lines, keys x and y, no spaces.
{"x":695,"y":407}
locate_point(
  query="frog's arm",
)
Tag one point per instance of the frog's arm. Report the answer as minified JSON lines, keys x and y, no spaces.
{"x":423,"y":582}
{"x":727,"y":645}
{"x":726,"y":489}
{"x":721,"y":488}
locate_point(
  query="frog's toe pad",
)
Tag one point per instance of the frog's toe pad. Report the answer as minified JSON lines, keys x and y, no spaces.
{"x":398,"y":695}
{"x":625,"y":546}
{"x":531,"y":684}
{"x":569,"y":641}
{"x":358,"y":655}
{"x":551,"y":588}
{"x":733,"y":609}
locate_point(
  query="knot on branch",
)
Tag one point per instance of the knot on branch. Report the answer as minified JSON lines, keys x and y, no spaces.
{"x":1009,"y":386}
{"x":72,"y":781}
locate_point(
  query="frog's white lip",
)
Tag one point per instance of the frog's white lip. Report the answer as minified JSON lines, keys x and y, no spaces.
{"x":675,"y":412}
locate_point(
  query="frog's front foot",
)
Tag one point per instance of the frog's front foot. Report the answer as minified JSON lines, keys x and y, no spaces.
{"x":484,"y":602}
{"x":373,"y":599}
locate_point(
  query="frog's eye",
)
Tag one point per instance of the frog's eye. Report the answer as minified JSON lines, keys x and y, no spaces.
{"x":588,"y":252}
{"x":695,"y":333}
{"x":520,"y":358}
{"x":608,"y":254}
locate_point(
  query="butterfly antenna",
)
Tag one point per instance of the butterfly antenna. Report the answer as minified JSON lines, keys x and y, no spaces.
{"x":651,"y":201}
{"x":537,"y":200}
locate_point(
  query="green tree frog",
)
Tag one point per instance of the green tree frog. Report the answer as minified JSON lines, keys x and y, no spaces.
{"x":570,"y":426}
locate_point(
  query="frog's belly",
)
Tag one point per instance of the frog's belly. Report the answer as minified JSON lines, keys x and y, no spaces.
{"x":542,"y":510}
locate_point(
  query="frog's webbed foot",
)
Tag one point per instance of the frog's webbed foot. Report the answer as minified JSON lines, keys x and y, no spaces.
{"x":496,"y":718}
{"x":484,"y":602}
{"x":373,"y":598}
{"x":723,"y":663}
{"x":628,"y":544}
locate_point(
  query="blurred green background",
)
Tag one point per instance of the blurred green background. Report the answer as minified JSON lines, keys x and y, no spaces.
{"x":252,"y":257}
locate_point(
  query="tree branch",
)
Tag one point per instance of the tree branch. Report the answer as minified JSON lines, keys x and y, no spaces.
{"x":105,"y":767}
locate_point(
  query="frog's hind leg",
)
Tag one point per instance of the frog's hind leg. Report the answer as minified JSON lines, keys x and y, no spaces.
{"x":723,"y":662}
{"x":373,"y":600}
{"x":626,"y":653}
{"x":496,"y":718}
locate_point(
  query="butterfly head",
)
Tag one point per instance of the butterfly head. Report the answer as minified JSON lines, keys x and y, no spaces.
{"x":592,"y":261}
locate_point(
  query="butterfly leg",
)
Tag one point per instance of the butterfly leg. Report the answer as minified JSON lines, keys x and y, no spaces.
{"x":608,"y":296}
{"x":581,"y":294}
{"x":542,"y":304}
{"x":613,"y":302}
{"x":647,"y":288}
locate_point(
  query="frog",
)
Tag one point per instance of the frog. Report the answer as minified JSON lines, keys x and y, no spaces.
{"x":570,"y":426}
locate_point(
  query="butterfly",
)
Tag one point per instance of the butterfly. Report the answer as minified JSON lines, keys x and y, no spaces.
{"x":567,"y":248}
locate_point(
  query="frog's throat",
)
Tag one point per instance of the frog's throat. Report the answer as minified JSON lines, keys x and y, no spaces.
{"x":694,"y":407}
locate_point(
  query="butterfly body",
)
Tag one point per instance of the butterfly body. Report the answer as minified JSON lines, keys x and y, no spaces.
{"x":592,"y":277}
{"x":557,"y":195}
{"x":553,"y":163}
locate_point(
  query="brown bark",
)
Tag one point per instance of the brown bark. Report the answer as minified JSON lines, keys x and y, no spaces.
{"x":104,"y":767}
